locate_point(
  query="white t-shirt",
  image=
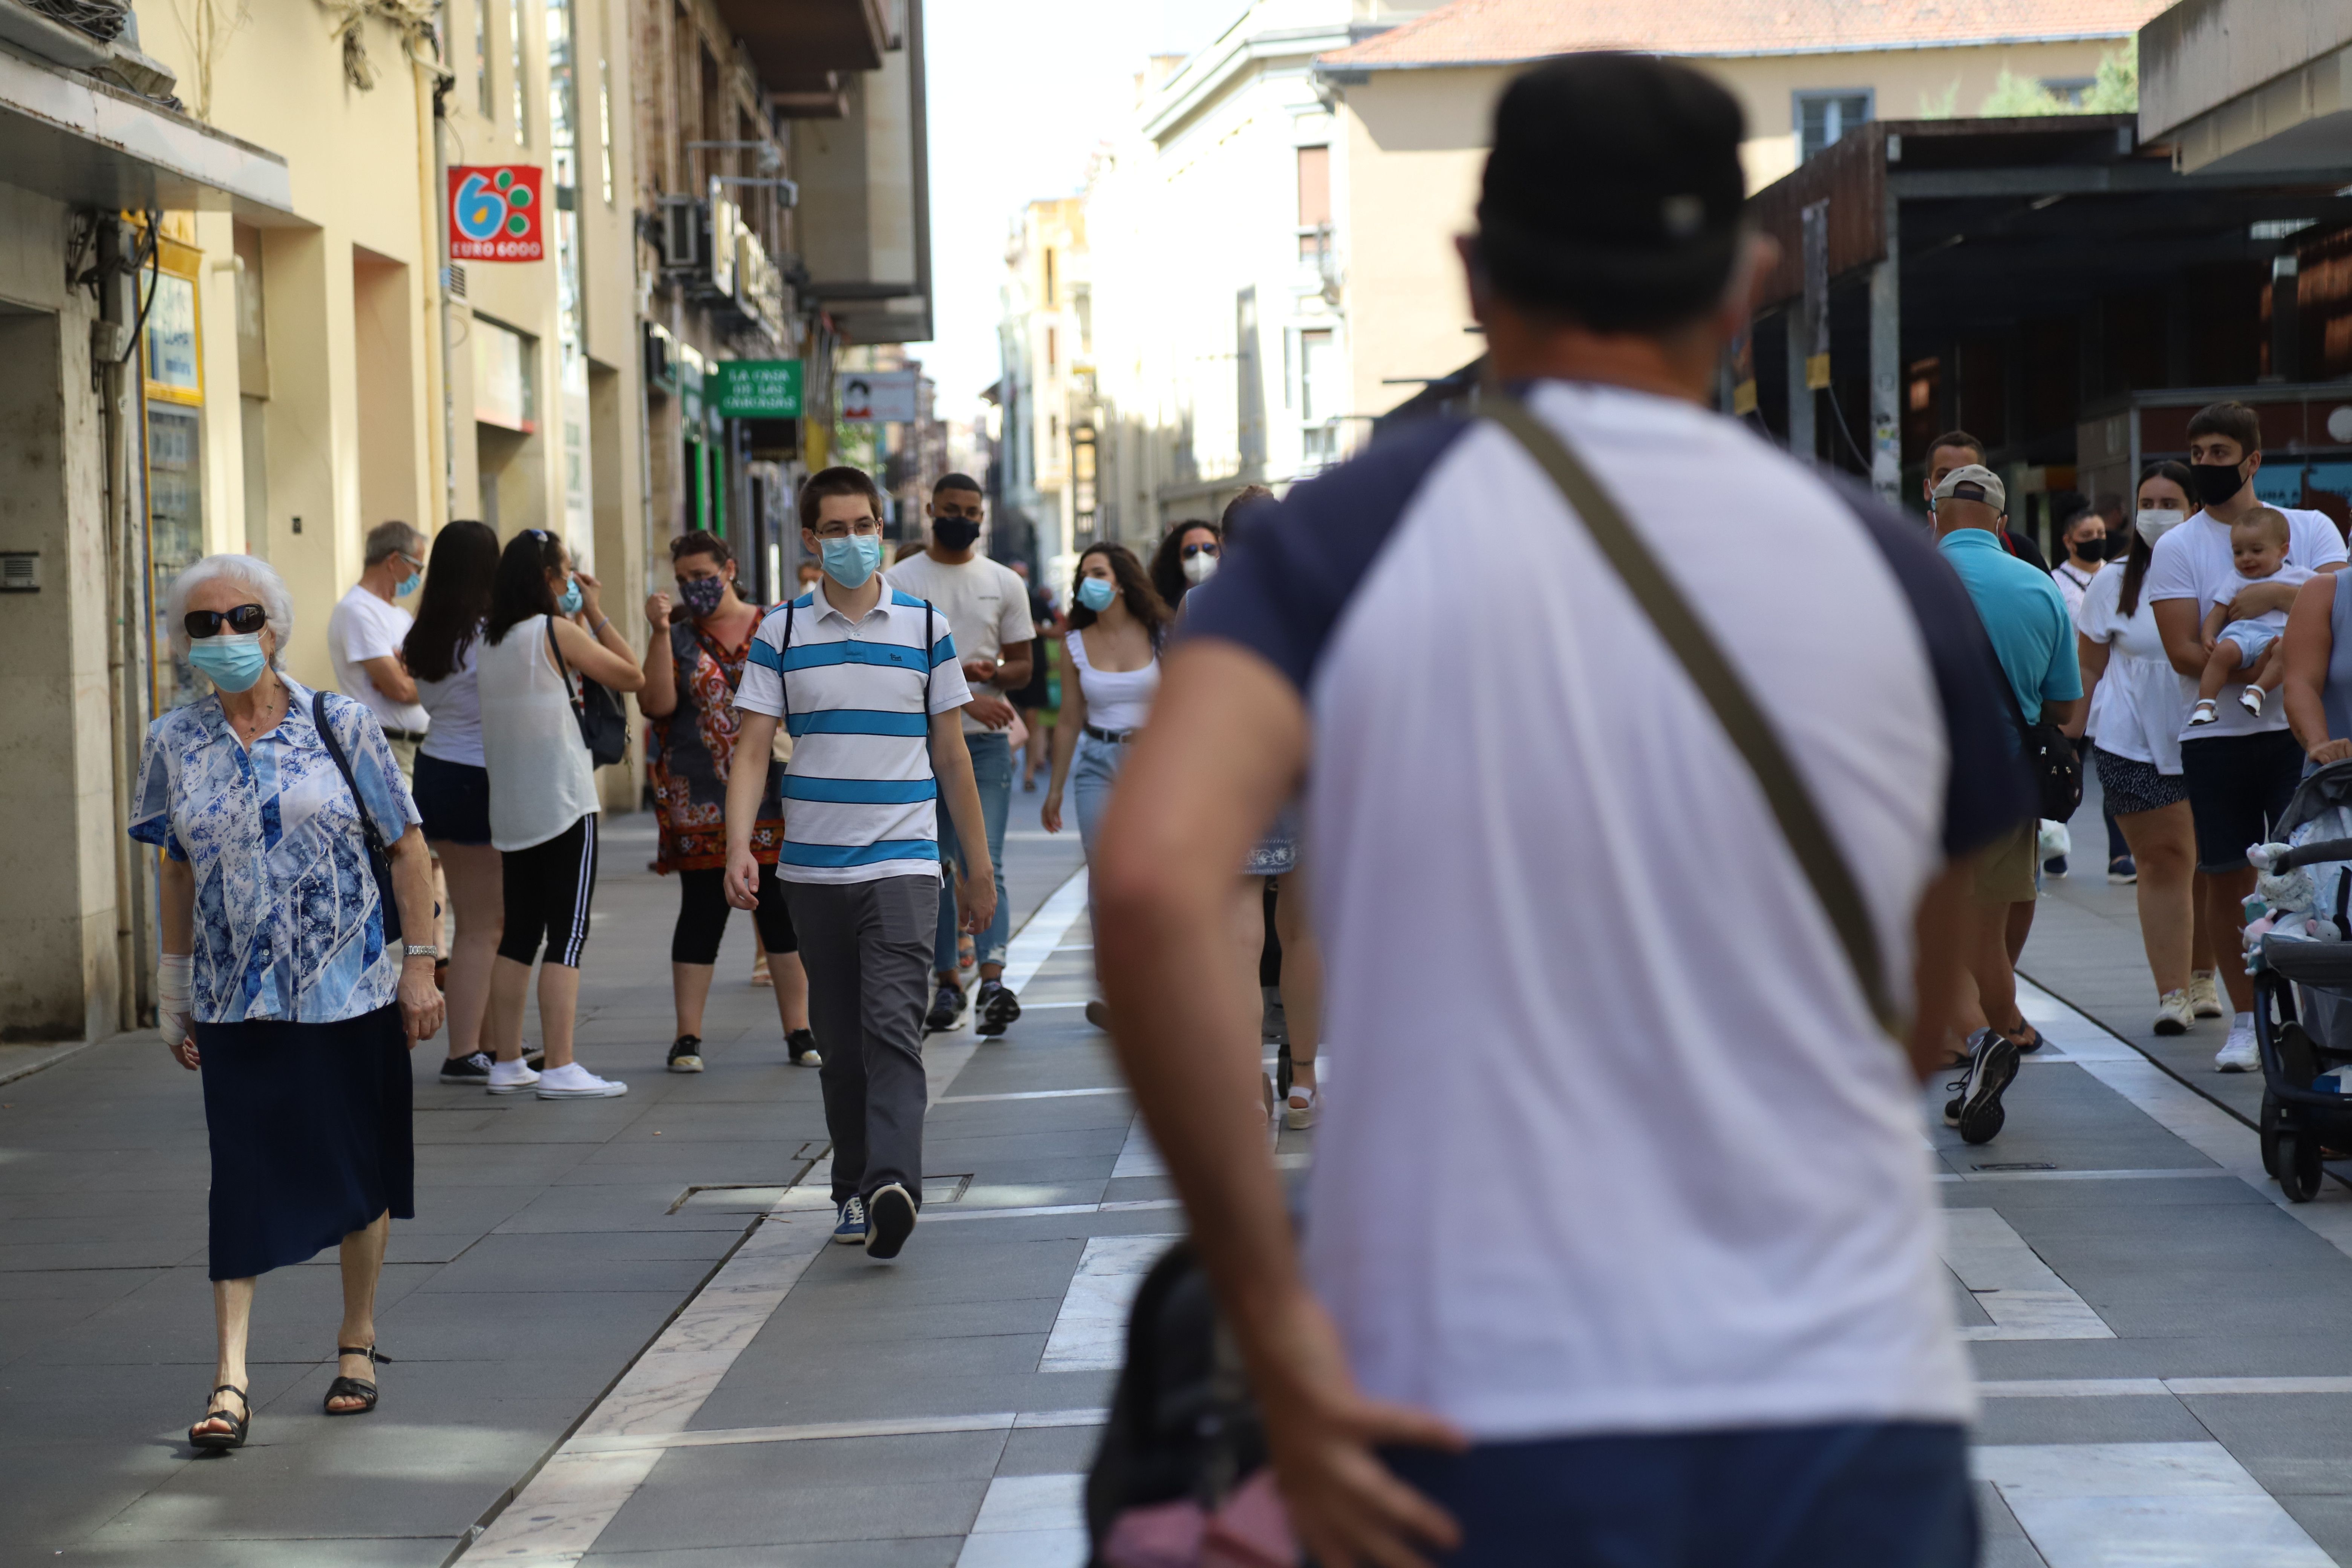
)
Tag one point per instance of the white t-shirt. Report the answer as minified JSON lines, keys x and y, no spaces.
{"x":1696,"y":1190}
{"x":2194,"y":561}
{"x":363,"y":628}
{"x":455,"y":705}
{"x":985,"y":605}
{"x":2071,"y":580}
{"x":2136,"y":710}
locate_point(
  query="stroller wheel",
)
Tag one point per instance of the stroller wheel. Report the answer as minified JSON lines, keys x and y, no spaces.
{"x":2298,"y":1164}
{"x":2270,"y":1132}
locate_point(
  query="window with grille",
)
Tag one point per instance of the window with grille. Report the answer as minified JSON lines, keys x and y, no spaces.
{"x":1314,"y":200}
{"x":1823,"y":116}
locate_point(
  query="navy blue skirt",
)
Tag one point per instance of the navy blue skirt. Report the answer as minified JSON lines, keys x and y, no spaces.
{"x":310,"y":1137}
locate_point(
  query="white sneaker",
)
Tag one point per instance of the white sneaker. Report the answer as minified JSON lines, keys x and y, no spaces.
{"x":507,"y":1078}
{"x":2205,"y":995}
{"x":572,"y":1081}
{"x":2238,"y":1053}
{"x":2173,"y":1013}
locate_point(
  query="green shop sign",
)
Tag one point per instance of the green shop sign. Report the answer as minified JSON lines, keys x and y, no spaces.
{"x":758,"y":389}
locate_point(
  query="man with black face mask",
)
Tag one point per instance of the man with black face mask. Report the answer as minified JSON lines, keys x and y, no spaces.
{"x":986,"y":606}
{"x":2240,"y":770}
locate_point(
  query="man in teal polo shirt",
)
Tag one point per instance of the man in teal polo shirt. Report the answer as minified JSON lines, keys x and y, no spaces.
{"x":2034,"y":637}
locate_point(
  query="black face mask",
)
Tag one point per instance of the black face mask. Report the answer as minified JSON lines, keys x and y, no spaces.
{"x":2216,"y":483}
{"x":954,"y":532}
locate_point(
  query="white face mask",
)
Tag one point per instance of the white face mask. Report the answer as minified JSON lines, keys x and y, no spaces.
{"x":1199,"y":569}
{"x":2154,"y":523}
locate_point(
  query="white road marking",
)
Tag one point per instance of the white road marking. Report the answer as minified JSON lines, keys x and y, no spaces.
{"x":2109,"y":1505}
{"x":1029,"y":1522}
{"x":1090,"y":1331}
{"x":944,"y":1055}
{"x":834,"y":1431}
{"x":1028,"y":1094}
{"x":2018,"y":1292}
{"x":2168,"y":1174}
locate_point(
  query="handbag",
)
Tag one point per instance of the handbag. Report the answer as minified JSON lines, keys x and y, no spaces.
{"x":2049,"y":757}
{"x":379,"y":859}
{"x":603,"y":723}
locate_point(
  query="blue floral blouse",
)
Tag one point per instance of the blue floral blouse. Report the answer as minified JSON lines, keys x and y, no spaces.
{"x":287,"y":925}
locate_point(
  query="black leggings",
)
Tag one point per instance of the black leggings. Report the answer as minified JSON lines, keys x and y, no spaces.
{"x":549,"y":888}
{"x":703,"y":909}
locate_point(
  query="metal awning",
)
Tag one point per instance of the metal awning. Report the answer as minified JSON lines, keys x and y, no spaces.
{"x":68,"y":136}
{"x":803,"y":46}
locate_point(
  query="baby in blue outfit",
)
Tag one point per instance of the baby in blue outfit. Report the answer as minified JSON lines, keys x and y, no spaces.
{"x":2247,"y":650}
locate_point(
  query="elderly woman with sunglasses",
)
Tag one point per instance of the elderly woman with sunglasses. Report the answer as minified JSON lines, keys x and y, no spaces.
{"x":284,"y":978}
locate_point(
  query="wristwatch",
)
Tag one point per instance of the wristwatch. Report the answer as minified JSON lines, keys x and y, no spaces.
{"x":421,"y":950}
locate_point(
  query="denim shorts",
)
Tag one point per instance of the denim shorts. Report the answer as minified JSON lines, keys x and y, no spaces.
{"x":453,"y":801}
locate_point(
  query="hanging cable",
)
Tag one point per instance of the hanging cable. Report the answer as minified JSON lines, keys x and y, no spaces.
{"x":154,"y":263}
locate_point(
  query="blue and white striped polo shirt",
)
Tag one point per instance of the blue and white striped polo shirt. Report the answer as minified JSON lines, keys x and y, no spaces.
{"x":857,"y":697}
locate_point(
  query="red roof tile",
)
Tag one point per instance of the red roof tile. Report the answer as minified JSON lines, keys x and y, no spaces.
{"x":1483,"y":31}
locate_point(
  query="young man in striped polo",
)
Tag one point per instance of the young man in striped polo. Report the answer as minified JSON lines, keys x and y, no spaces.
{"x":866,"y":679}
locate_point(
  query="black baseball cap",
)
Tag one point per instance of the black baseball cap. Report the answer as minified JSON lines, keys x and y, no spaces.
{"x":1614,"y":192}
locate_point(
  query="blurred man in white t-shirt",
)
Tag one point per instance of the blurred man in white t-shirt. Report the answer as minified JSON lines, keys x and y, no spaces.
{"x":2240,"y":770}
{"x":365,"y":635}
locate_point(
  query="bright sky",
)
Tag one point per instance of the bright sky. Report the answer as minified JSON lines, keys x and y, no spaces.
{"x":1021,"y":93}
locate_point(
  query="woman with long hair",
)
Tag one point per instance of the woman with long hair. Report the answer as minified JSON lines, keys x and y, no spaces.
{"x":1116,"y":623}
{"x":698,"y":645}
{"x":1187,"y":557}
{"x":545,"y":626}
{"x":2134,"y":716}
{"x":453,"y":783}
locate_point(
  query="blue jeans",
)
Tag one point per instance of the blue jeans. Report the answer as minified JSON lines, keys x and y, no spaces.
{"x":1093,"y":767}
{"x":992,"y":770}
{"x":1854,"y":1495}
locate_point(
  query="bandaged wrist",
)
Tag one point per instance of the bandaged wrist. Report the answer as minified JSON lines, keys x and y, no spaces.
{"x":174,"y":976}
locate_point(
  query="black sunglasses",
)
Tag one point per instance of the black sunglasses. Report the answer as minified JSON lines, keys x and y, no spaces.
{"x":1190,"y":551}
{"x":246,"y":618}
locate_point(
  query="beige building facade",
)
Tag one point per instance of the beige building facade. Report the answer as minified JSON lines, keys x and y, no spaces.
{"x":1271,"y":240}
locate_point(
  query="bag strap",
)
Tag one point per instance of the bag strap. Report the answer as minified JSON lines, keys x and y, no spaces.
{"x":1793,"y":805}
{"x":563,"y":672}
{"x":343,"y":766}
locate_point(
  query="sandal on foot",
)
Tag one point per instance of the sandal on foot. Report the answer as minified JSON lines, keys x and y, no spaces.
{"x":2025,"y":1037}
{"x":2207,"y":711}
{"x":1300,"y":1108}
{"x":353,"y":1387}
{"x":232,"y":1438}
{"x":2250,"y":700}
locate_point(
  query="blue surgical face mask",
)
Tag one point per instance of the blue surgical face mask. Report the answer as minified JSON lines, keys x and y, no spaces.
{"x":230,"y":661}
{"x":1096,"y":594}
{"x":571,"y":601}
{"x":409,"y":585}
{"x":851,"y":560}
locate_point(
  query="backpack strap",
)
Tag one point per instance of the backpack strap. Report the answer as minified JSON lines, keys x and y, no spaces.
{"x":1726,"y":692}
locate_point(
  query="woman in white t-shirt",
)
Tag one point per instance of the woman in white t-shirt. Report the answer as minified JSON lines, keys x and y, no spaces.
{"x":2134,"y":715}
{"x":453,"y":787}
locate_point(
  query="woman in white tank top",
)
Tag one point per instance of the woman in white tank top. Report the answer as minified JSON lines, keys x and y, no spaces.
{"x":1116,"y":620}
{"x":543,"y":799}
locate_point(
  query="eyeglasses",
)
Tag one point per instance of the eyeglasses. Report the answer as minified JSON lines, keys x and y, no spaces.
{"x":1191,"y":550}
{"x":864,"y":528}
{"x":244,"y":619}
{"x":412,"y":560}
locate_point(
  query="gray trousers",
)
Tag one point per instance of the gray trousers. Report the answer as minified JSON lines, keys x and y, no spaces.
{"x":867,"y":950}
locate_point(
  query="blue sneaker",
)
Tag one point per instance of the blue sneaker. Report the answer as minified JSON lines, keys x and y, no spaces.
{"x":850,"y":1229}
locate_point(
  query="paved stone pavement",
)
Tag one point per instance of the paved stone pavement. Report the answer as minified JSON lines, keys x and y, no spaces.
{"x":594,"y":1370}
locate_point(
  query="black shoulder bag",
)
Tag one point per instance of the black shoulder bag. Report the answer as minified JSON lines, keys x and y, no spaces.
{"x":603,"y":723}
{"x":2049,"y":757}
{"x":379,"y":859}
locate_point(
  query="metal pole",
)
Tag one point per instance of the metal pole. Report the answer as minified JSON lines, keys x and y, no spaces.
{"x":1803,"y":444}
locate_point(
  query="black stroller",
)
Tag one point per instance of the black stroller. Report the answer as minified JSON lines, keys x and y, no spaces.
{"x":2299,"y":1120}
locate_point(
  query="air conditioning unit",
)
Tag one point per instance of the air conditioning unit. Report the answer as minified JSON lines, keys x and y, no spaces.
{"x":682,"y":225}
{"x":661,"y":360}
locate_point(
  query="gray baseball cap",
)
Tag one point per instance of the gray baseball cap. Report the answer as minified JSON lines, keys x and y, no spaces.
{"x":1974,"y":481}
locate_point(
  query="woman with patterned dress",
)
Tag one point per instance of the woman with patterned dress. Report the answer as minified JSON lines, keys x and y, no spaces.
{"x":693,"y":661}
{"x":281,"y":978}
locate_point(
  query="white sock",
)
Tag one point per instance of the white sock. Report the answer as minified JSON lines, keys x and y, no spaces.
{"x":2241,"y":1021}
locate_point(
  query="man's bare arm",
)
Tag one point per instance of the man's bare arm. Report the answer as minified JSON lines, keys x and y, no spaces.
{"x":1939,"y":969}
{"x":2184,"y":643}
